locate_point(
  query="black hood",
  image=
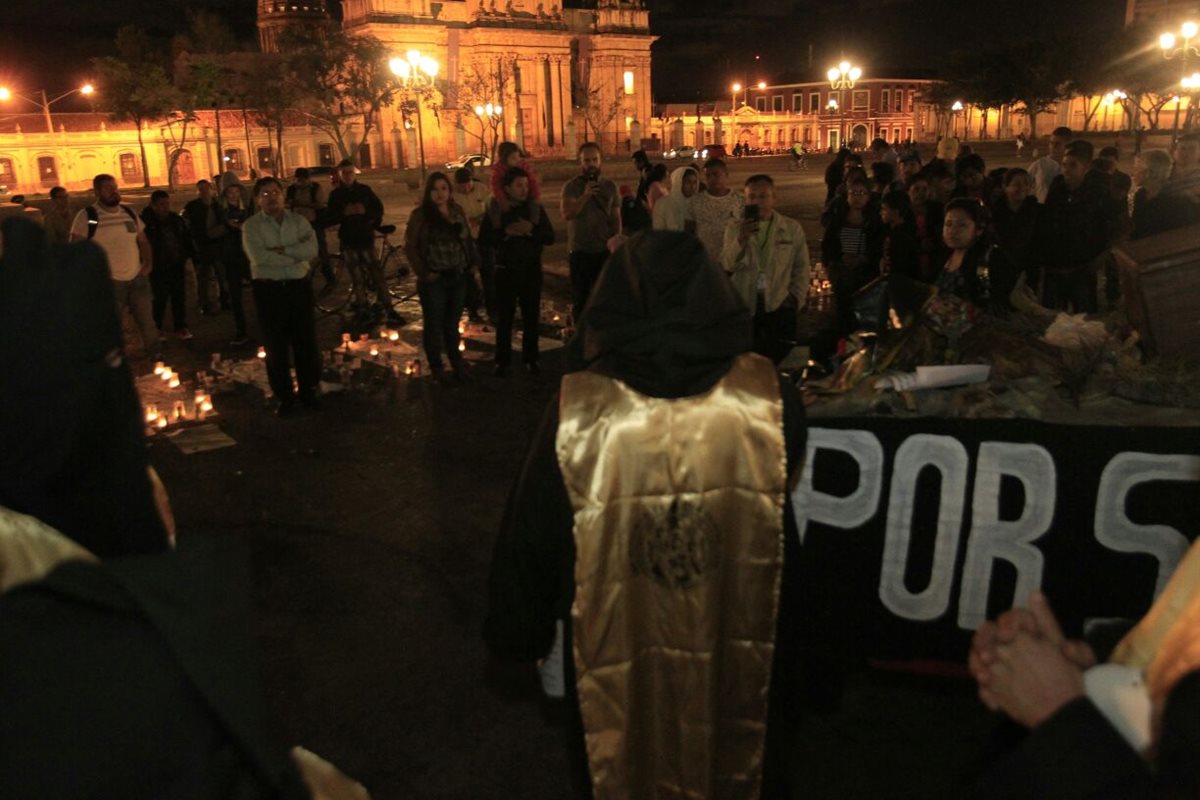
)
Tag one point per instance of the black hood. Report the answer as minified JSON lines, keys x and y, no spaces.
{"x":662,"y":318}
{"x":72,"y":439}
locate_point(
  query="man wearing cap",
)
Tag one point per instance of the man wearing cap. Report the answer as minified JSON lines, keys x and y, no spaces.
{"x":358,"y":211}
{"x":474,"y":197}
{"x":910,"y":165}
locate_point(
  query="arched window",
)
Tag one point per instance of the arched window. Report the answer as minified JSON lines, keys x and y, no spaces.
{"x":233,"y":160}
{"x":47,"y":171}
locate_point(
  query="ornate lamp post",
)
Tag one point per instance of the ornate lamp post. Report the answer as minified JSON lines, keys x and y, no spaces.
{"x":1183,"y":44}
{"x":5,"y":95}
{"x":842,"y":78}
{"x":955,"y":110}
{"x":416,"y":73}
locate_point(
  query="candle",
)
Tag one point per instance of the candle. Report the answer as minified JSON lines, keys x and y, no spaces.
{"x":179,"y":411}
{"x":374,"y":350}
{"x":165,"y":374}
{"x":262,"y":352}
{"x":174,"y":382}
{"x":206,"y":405}
{"x":461,"y":329}
{"x":408,"y":368}
{"x":394,"y":336}
{"x":159,"y":367}
{"x":151,"y":413}
{"x":161,"y":422}
{"x":462,"y":347}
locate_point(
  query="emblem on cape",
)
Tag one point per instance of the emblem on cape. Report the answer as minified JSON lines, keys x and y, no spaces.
{"x":675,"y":546}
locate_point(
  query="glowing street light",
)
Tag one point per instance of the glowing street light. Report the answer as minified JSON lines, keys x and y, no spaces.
{"x":416,"y":73}
{"x":841,"y":78}
{"x":7,"y":94}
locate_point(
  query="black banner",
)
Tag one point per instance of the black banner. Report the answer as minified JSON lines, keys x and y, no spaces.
{"x":915,"y":531}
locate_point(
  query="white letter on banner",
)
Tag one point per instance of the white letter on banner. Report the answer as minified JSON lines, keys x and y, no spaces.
{"x":950,"y":458}
{"x":993,"y":538}
{"x":1115,"y":530}
{"x":856,"y":508}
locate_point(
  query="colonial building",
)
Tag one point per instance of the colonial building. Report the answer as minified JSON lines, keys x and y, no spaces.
{"x":559,"y":75}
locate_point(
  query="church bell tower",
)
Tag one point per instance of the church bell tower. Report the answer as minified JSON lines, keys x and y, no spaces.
{"x":275,"y":15}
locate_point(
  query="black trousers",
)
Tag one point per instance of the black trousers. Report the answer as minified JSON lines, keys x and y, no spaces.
{"x":774,"y":331}
{"x":522,"y":284}
{"x":167,"y":283}
{"x":285,"y":314}
{"x":585,"y":269}
{"x":236,"y":273}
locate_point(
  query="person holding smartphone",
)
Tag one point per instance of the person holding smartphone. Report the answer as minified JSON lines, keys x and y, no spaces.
{"x":591,"y":206}
{"x":766,"y":257}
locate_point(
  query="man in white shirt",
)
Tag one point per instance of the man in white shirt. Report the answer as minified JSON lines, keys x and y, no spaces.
{"x":766,"y":256}
{"x":715,"y":207}
{"x":121,"y":234}
{"x":1048,"y":167}
{"x":281,"y":245}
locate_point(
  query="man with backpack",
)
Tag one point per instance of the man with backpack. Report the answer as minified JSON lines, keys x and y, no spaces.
{"x":307,"y":199}
{"x":121,"y":234}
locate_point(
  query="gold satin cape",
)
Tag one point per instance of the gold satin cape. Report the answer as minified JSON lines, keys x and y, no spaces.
{"x":679,"y":547}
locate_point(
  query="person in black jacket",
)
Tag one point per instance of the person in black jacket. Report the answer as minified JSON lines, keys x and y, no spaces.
{"x":234,"y":209}
{"x":170,"y":245}
{"x":358,"y":211}
{"x":517,"y":236}
{"x":900,"y":253}
{"x":1081,"y":220}
{"x":204,"y":222}
{"x":1015,"y":219}
{"x":976,"y":269}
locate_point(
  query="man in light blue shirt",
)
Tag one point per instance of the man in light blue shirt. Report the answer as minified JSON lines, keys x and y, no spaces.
{"x":281,"y":246}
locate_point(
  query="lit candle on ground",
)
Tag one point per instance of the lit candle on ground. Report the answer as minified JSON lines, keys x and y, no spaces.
{"x":374,"y":350}
{"x":151,"y":414}
{"x":174,"y":382}
{"x":393,"y":336}
{"x":161,"y":422}
{"x":166,"y":374}
{"x":461,"y":329}
{"x":462,"y":347}
{"x":159,"y":367}
{"x":262,"y":352}
{"x":206,"y":405}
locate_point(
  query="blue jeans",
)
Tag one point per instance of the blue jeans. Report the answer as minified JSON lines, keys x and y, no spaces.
{"x":442,"y":304}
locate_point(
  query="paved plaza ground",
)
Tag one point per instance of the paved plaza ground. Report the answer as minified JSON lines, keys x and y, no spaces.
{"x":371,"y":526}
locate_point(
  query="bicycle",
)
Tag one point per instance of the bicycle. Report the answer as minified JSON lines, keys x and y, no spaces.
{"x":333,"y":291}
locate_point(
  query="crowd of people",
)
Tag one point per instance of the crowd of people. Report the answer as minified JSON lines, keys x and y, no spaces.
{"x":667,"y":571}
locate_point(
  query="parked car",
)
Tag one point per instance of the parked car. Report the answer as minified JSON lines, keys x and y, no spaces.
{"x":714,"y":151}
{"x":681,"y":152}
{"x":473,"y":160}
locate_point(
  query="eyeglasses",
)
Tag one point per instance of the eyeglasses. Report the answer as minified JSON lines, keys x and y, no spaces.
{"x":859,"y":193}
{"x":272,"y":193}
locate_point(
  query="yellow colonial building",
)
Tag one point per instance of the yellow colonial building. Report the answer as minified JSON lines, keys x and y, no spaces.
{"x":559,"y":75}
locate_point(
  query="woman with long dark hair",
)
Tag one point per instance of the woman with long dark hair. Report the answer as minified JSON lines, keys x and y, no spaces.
{"x":976,"y":270}
{"x":439,"y":248}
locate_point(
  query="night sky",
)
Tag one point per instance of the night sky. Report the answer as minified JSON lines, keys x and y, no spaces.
{"x":705,"y":44}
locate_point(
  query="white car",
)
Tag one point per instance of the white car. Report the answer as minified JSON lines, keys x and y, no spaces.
{"x":681,"y":152}
{"x":474,"y":160}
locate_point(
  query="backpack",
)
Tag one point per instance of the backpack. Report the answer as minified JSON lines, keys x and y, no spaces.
{"x":94,"y":219}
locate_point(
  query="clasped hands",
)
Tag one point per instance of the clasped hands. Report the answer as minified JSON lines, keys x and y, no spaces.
{"x":1025,"y":667}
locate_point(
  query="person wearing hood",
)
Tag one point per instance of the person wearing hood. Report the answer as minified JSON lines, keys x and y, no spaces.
{"x":516,"y":234}
{"x":160,"y":695}
{"x":674,"y":211}
{"x":766,"y":256}
{"x":1081,"y":220}
{"x":649,"y":538}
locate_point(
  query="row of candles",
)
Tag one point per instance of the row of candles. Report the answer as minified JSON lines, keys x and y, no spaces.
{"x":201,"y":407}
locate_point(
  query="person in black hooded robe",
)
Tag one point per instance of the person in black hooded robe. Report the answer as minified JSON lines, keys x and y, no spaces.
{"x":664,"y":320}
{"x":131,"y":676}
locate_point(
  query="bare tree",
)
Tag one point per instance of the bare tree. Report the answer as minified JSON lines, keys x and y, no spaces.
{"x":483,"y":83}
{"x":599,"y":111}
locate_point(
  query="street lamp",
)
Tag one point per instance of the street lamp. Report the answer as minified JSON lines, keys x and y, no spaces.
{"x":489,"y":114}
{"x":1169,"y":42}
{"x":416,"y":73}
{"x":733,"y":90}
{"x":841,"y":78}
{"x":1111,"y":99}
{"x":957,"y":107}
{"x":5,"y":95}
